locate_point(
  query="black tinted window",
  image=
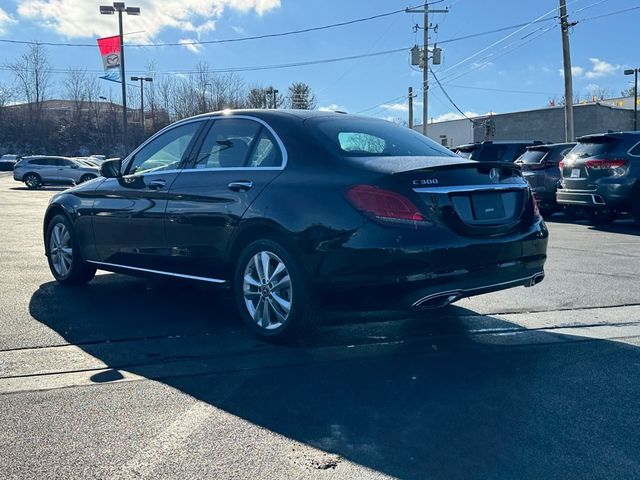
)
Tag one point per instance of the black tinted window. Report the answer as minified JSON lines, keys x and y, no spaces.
{"x":42,"y":161}
{"x":492,"y":153}
{"x":593,"y":147}
{"x":635,"y":150}
{"x":532,"y":156}
{"x":361,"y":137}
{"x":228,"y":144}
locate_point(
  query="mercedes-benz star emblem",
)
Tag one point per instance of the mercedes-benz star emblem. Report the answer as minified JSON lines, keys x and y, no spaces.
{"x":494,"y":175}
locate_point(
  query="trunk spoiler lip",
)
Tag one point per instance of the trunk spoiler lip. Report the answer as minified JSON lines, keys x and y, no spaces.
{"x":403,"y":165}
{"x":470,"y":164}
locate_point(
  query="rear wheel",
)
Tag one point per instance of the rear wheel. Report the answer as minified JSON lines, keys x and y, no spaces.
{"x":32,"y":181}
{"x":601,"y":216}
{"x":87,"y":177}
{"x":572,"y":212}
{"x":271,"y":292}
{"x":63,"y":254}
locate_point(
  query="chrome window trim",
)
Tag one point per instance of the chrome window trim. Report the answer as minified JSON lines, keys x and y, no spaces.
{"x":283,"y":150}
{"x":629,"y":151}
{"x":473,"y":188}
{"x":159,"y":272}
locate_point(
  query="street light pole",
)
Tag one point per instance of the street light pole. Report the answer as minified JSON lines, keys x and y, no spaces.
{"x":634,"y":71}
{"x":142,"y":80}
{"x":110,"y":10}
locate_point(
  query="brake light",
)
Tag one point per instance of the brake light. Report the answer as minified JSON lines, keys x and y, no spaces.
{"x":602,"y":164}
{"x":536,"y":210}
{"x":561,"y":164}
{"x":384,"y":205}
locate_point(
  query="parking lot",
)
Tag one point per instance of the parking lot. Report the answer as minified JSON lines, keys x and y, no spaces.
{"x":129,"y":378}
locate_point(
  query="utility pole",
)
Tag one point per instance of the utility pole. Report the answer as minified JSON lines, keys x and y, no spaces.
{"x":411,"y":108}
{"x":634,"y":71}
{"x":110,"y":10}
{"x":142,"y":80}
{"x":568,"y":77}
{"x":425,"y":60}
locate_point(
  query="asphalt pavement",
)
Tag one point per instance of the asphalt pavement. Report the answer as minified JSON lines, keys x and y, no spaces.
{"x":130,"y":378}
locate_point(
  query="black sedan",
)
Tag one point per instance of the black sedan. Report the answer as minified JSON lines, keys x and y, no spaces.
{"x":296,"y":209}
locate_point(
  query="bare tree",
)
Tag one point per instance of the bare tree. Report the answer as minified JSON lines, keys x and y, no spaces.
{"x":32,"y":72}
{"x":256,"y":98}
{"x":301,"y":97}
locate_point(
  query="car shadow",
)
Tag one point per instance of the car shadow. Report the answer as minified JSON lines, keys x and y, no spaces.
{"x":623,"y":225}
{"x":447,"y":395}
{"x":42,"y":189}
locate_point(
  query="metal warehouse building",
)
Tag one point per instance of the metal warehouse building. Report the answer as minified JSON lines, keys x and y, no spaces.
{"x":545,"y":124}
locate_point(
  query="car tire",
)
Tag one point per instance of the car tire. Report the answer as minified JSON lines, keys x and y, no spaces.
{"x":547,"y":212}
{"x":63,"y":253}
{"x":87,"y":177}
{"x":278,"y":306}
{"x":601,"y":216}
{"x":572,"y":213}
{"x":32,"y":181}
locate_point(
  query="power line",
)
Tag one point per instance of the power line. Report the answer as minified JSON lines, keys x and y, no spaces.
{"x":502,"y":90}
{"x":448,"y":97}
{"x":225,"y":40}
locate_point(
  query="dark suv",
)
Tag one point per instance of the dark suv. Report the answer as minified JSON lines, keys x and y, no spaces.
{"x":539,"y":165}
{"x":501,"y":151}
{"x":601,"y":176}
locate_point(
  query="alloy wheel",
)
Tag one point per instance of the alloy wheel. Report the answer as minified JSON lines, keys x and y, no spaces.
{"x":60,"y":250}
{"x":267,"y":290}
{"x":32,"y":181}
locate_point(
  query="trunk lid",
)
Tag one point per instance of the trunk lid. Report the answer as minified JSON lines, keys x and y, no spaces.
{"x":471,"y":198}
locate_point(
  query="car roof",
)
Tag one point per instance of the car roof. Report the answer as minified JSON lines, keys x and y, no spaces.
{"x":599,"y":136}
{"x":550,"y":146}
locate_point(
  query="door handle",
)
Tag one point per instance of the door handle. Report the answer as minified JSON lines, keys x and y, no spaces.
{"x":240,"y":186}
{"x":156,"y":184}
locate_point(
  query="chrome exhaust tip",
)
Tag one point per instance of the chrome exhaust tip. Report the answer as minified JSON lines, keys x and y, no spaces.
{"x":437,"y":300}
{"x":535,"y":280}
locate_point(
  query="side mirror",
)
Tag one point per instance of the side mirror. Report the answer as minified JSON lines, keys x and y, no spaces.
{"x":111,"y":168}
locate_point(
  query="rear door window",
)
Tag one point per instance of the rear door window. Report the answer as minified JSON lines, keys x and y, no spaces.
{"x":229,"y":144}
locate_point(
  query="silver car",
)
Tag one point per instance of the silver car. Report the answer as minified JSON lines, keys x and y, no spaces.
{"x":37,"y":171}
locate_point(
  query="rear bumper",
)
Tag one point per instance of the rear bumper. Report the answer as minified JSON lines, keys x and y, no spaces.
{"x":616,"y":195}
{"x":401,"y":277}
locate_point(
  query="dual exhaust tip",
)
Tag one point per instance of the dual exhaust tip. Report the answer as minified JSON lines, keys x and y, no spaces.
{"x":438,"y":300}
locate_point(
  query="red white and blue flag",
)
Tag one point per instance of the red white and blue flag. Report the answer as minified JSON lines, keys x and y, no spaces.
{"x":110,"y":50}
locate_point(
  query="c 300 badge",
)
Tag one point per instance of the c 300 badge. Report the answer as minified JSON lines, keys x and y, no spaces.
{"x":428,"y":181}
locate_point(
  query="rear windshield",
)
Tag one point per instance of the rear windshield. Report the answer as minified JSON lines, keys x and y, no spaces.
{"x":362,"y":137}
{"x":593,"y":147}
{"x":465,"y":152}
{"x":532,"y":156}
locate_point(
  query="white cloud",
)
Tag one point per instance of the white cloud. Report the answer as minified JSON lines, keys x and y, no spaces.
{"x":600,"y":68}
{"x":396,"y":107}
{"x":575,"y":71}
{"x":5,"y":21}
{"x":454,"y":116}
{"x":72,"y":18}
{"x":189,"y":45}
{"x":332,"y":108}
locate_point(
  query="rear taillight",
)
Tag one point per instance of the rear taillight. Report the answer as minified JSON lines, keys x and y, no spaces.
{"x":603,"y":164}
{"x":534,"y":202}
{"x":385,"y":206}
{"x":561,"y":164}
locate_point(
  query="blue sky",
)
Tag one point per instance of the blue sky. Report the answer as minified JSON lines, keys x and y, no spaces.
{"x":527,"y":61}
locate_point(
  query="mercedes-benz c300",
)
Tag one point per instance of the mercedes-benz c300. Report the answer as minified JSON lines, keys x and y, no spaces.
{"x":295,"y":210}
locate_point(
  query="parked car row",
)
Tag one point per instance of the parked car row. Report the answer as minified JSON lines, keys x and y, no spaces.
{"x":597,"y":177}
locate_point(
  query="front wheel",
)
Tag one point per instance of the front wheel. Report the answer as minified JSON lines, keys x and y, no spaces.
{"x":272,"y":293}
{"x":63,"y":254}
